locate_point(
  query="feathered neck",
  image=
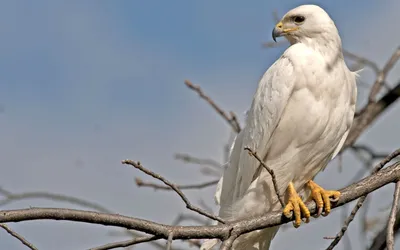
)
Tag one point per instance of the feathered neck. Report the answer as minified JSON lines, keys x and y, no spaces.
{"x":327,"y":43}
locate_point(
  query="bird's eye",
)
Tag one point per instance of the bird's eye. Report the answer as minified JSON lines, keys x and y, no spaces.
{"x":299,"y":19}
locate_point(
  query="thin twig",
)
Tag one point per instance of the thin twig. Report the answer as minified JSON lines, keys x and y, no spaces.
{"x":361,"y":60}
{"x":370,"y":151}
{"x":347,"y":222}
{"x":386,"y":161}
{"x":235,"y":121}
{"x":379,"y":242}
{"x":383,"y":74}
{"x":364,"y":221}
{"x":361,"y":201}
{"x":204,"y":205}
{"x":169,"y":241}
{"x":228,"y":243}
{"x":270,"y":171}
{"x":347,"y":241}
{"x":232,"y":120}
{"x":207,"y":171}
{"x":127,"y":243}
{"x":12,"y":197}
{"x":141,"y":183}
{"x":392,"y":218}
{"x":200,"y":161}
{"x":272,"y":44}
{"x":369,"y":113}
{"x":19,"y":237}
{"x":174,"y":187}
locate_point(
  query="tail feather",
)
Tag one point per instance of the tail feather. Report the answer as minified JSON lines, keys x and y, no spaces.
{"x":256,"y":240}
{"x":208,"y":244}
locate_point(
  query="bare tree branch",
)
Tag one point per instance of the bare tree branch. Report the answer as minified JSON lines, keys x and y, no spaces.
{"x":383,"y":74}
{"x":232,"y":120}
{"x":127,"y":243}
{"x":211,"y":171}
{"x":347,"y":240}
{"x":174,"y":187}
{"x":347,"y":222}
{"x":227,"y":244}
{"x":170,"y":238}
{"x":11,"y":197}
{"x":19,"y":237}
{"x":141,"y":183}
{"x":392,"y":218}
{"x":361,"y":200}
{"x":270,"y":171}
{"x":221,"y":231}
{"x":370,"y":151}
{"x":365,"y":222}
{"x":369,"y":114}
{"x":379,"y":242}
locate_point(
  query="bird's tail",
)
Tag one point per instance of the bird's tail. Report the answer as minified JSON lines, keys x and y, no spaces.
{"x":256,"y":240}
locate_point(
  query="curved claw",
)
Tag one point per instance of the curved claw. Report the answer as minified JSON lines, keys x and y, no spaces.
{"x":319,"y":212}
{"x":322,"y":198}
{"x":306,"y":219}
{"x":335,"y":198}
{"x":297,"y":206}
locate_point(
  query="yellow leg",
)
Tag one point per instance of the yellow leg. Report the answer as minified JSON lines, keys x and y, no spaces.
{"x":296,"y":205}
{"x":322,"y":198}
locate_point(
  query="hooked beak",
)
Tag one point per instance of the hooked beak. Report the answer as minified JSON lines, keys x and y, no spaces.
{"x":279,"y":30}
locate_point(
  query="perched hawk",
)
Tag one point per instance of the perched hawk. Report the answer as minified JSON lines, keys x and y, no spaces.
{"x":300,"y":117}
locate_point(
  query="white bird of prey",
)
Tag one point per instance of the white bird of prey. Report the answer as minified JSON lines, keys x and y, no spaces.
{"x":299,"y":119}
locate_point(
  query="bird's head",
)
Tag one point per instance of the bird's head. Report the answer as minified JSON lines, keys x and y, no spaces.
{"x":304,"y":23}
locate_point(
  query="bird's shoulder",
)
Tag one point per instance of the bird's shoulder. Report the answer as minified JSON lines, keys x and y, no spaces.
{"x":300,"y":54}
{"x":298,"y":61}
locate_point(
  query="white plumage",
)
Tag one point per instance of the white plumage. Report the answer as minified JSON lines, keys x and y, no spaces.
{"x":300,"y":117}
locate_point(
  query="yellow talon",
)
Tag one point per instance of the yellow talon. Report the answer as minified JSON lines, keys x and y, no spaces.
{"x":296,"y":205}
{"x":322,"y":198}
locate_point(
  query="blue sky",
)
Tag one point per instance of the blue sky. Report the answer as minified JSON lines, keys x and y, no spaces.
{"x":95,"y":82}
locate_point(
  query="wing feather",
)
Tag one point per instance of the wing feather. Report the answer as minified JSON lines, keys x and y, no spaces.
{"x":270,"y":100}
{"x":353,"y":89}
